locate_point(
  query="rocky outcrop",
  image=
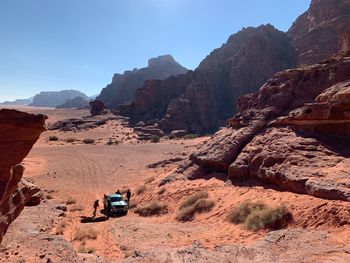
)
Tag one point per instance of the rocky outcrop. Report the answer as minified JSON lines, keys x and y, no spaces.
{"x":97,"y":108}
{"x":18,"y":102}
{"x":293,"y":133}
{"x":55,"y":98}
{"x":18,"y":132}
{"x":202,"y":100}
{"x":75,"y":103}
{"x":315,"y":34}
{"x":123,"y":86}
{"x":284,"y":246}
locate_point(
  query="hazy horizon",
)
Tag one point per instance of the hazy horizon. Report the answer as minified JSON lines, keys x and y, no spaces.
{"x":52,"y":46}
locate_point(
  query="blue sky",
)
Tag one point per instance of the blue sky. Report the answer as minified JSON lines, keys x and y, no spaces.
{"x":80,"y":44}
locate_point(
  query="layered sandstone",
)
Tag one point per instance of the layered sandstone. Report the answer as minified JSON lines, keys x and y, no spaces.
{"x":18,"y":132}
{"x":202,"y":100}
{"x":315,"y":34}
{"x":293,"y":134}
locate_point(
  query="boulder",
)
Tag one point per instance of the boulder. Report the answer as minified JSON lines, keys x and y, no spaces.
{"x":18,"y":133}
{"x":97,"y":108}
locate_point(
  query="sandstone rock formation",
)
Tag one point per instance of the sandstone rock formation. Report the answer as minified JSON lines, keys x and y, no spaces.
{"x":315,"y":33}
{"x":18,"y":102}
{"x":55,"y":98}
{"x":75,"y":103}
{"x":293,"y":134}
{"x":18,"y":132}
{"x":202,"y":100}
{"x":97,"y":107}
{"x":123,"y":86}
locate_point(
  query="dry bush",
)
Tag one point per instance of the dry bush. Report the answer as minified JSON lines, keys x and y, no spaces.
{"x":70,"y":140}
{"x":193,"y":199}
{"x":190,"y":136}
{"x":75,"y":208}
{"x":149,"y":180}
{"x":256,"y":216}
{"x":239,"y":214}
{"x":83,"y":249}
{"x":88,"y":141}
{"x":70,"y":201}
{"x":53,"y":138}
{"x":270,"y":218}
{"x":187,"y":213}
{"x":48,"y":196}
{"x":141,"y":189}
{"x":85,"y":233}
{"x":153,"y":208}
{"x":161,"y":190}
{"x":155,"y":138}
{"x":61,"y":227}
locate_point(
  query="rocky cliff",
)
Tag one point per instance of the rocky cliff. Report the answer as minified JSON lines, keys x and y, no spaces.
{"x":123,"y":86}
{"x":293,"y":134}
{"x":315,"y":33}
{"x":202,"y":100}
{"x":208,"y":96}
{"x":18,"y":132}
{"x":55,"y":98}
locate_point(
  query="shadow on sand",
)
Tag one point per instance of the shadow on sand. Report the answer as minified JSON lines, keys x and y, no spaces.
{"x":90,"y":219}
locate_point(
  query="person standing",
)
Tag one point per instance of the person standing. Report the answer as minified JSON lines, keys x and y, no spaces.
{"x":95,"y":206}
{"x":128,"y":195}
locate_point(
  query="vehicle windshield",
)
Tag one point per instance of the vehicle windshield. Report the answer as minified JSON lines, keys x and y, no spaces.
{"x":116,"y":199}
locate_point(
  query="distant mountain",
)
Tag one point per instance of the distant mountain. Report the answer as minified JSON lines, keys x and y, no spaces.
{"x":75,"y":103}
{"x":19,"y":102}
{"x":55,"y":98}
{"x":123,"y":86}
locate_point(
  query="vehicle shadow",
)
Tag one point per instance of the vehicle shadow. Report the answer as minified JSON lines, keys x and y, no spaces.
{"x":90,"y":219}
{"x":102,"y":211}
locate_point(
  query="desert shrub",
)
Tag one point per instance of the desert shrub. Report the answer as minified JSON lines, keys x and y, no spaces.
{"x":141,"y":189}
{"x":71,"y":201}
{"x":193,"y":199}
{"x":256,"y":216}
{"x":155,"y":138}
{"x":149,"y":180}
{"x":85,"y":233}
{"x":187,"y":213}
{"x":239,"y":214}
{"x":49,"y":197}
{"x":70,"y":140}
{"x":83,"y":249}
{"x":61,"y":227}
{"x":161,"y":190}
{"x":75,"y":208}
{"x":88,"y":141}
{"x":53,"y":138}
{"x":270,"y":218}
{"x":190,"y":136}
{"x":171,"y":136}
{"x":153,"y":208}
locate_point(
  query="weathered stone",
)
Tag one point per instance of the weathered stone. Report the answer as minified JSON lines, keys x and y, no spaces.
{"x":18,"y":132}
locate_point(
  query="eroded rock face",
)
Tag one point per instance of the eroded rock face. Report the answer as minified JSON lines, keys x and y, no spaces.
{"x":293,"y":133}
{"x":55,"y":98}
{"x":201,"y":101}
{"x":315,"y":34}
{"x":123,"y":86}
{"x":18,"y":132}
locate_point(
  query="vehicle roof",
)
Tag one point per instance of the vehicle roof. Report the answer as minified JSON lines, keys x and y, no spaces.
{"x":115,"y":195}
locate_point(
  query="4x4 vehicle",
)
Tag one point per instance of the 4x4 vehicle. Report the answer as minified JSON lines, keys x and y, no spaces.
{"x":115,"y":204}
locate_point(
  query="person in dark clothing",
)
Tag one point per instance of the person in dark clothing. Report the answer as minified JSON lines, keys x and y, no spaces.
{"x":118,"y":192}
{"x":128,"y":195}
{"x":95,"y":206}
